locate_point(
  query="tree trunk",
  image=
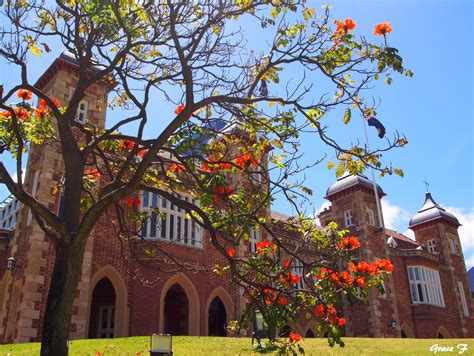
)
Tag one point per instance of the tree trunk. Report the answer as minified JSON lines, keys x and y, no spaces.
{"x":62,"y":290}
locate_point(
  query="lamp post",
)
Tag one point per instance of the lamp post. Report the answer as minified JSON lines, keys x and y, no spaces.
{"x":160,"y":345}
{"x":393,"y":324}
{"x":11,"y":263}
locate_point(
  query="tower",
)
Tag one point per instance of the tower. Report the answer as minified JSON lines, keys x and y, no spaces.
{"x":27,"y":285}
{"x":437,"y":230}
{"x":354,"y":207}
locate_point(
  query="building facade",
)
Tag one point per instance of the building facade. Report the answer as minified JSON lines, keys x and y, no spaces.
{"x":426,"y":296}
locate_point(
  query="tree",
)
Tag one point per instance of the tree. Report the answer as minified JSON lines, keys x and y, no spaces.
{"x":232,"y":143}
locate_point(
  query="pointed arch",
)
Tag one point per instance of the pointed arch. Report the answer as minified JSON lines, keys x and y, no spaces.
{"x":406,"y":331}
{"x":442,"y":333}
{"x":122,"y":311}
{"x":310,"y":330}
{"x":225,"y":298}
{"x":193,"y":299}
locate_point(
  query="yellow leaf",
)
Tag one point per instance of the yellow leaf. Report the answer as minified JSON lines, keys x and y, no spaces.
{"x":330,"y":164}
{"x":274,"y":12}
{"x":215,"y":29}
{"x":35,"y":50}
{"x":271,"y":104}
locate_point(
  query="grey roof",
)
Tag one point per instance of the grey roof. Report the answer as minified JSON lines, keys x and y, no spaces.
{"x":431,"y":211}
{"x":347,"y":180}
{"x":71,"y":58}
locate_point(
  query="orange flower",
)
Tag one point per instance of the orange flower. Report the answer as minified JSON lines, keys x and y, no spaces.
{"x":231,"y":252}
{"x":352,"y":267}
{"x":205,"y":167}
{"x":347,"y":277}
{"x":362,"y":266}
{"x":351,"y":242}
{"x":24,"y":94}
{"x":385,"y":265}
{"x":179,"y":109}
{"x":262,"y":246}
{"x":22,"y":114}
{"x":361,"y":281}
{"x":91,"y":172}
{"x":175,"y":167}
{"x":381,"y":29}
{"x":245,"y":161}
{"x":344,"y":27}
{"x":132,"y":201}
{"x":5,"y":113}
{"x":294,"y":278}
{"x":127,"y":145}
{"x":320,"y":310}
{"x":42,"y":103}
{"x":282,"y":301}
{"x":40,"y":113}
{"x":341,"y":322}
{"x":286,"y":263}
{"x":294,"y":337}
{"x":373,"y":269}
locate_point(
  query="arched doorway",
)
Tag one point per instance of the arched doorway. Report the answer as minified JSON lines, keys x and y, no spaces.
{"x":217,"y":318}
{"x":102,"y":316}
{"x":176,"y":311}
{"x":443,"y":333}
{"x":309,"y":333}
{"x":404,"y":336}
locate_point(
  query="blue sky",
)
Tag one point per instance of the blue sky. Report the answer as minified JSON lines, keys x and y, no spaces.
{"x":433,"y":109}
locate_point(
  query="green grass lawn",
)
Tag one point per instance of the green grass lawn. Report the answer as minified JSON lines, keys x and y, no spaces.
{"x":188,"y":345}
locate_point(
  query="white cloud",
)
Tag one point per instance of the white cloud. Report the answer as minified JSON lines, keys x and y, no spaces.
{"x":469,"y":262}
{"x":394,"y":216}
{"x":15,"y":176}
{"x":326,"y":204}
{"x":466,"y":231}
{"x":409,"y":233}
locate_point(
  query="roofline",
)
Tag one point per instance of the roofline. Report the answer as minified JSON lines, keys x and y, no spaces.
{"x":59,"y":63}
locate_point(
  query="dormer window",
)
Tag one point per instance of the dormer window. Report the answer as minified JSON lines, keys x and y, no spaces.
{"x":432,"y":248}
{"x":81,"y":115}
{"x":348,"y":218}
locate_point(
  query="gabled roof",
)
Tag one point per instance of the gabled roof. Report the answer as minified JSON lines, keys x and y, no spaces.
{"x":402,"y":241}
{"x":431,"y":211}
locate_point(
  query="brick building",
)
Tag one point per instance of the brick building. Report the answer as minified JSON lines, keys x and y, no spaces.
{"x":427,"y":295}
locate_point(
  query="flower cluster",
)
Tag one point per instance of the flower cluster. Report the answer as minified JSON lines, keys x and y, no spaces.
{"x":246,"y":160}
{"x":349,"y":243}
{"x":330,"y":313}
{"x":294,"y":337}
{"x":132,"y":201}
{"x":381,"y":29}
{"x":221,"y":192}
{"x":230,"y":251}
{"x":215,"y":167}
{"x":265,"y":246}
{"x":289,"y":278}
{"x":23,"y":94}
{"x":343,"y":27}
{"x":176,"y":167}
{"x":129,"y":145}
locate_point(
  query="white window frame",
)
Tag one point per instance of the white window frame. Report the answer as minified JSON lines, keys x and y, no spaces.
{"x":173,"y":223}
{"x":463,"y":299}
{"x":432,"y":247}
{"x":371,"y":216}
{"x":254,"y":237}
{"x":425,"y":286}
{"x":81,"y":114}
{"x":348,"y":218}
{"x":452,"y":246}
